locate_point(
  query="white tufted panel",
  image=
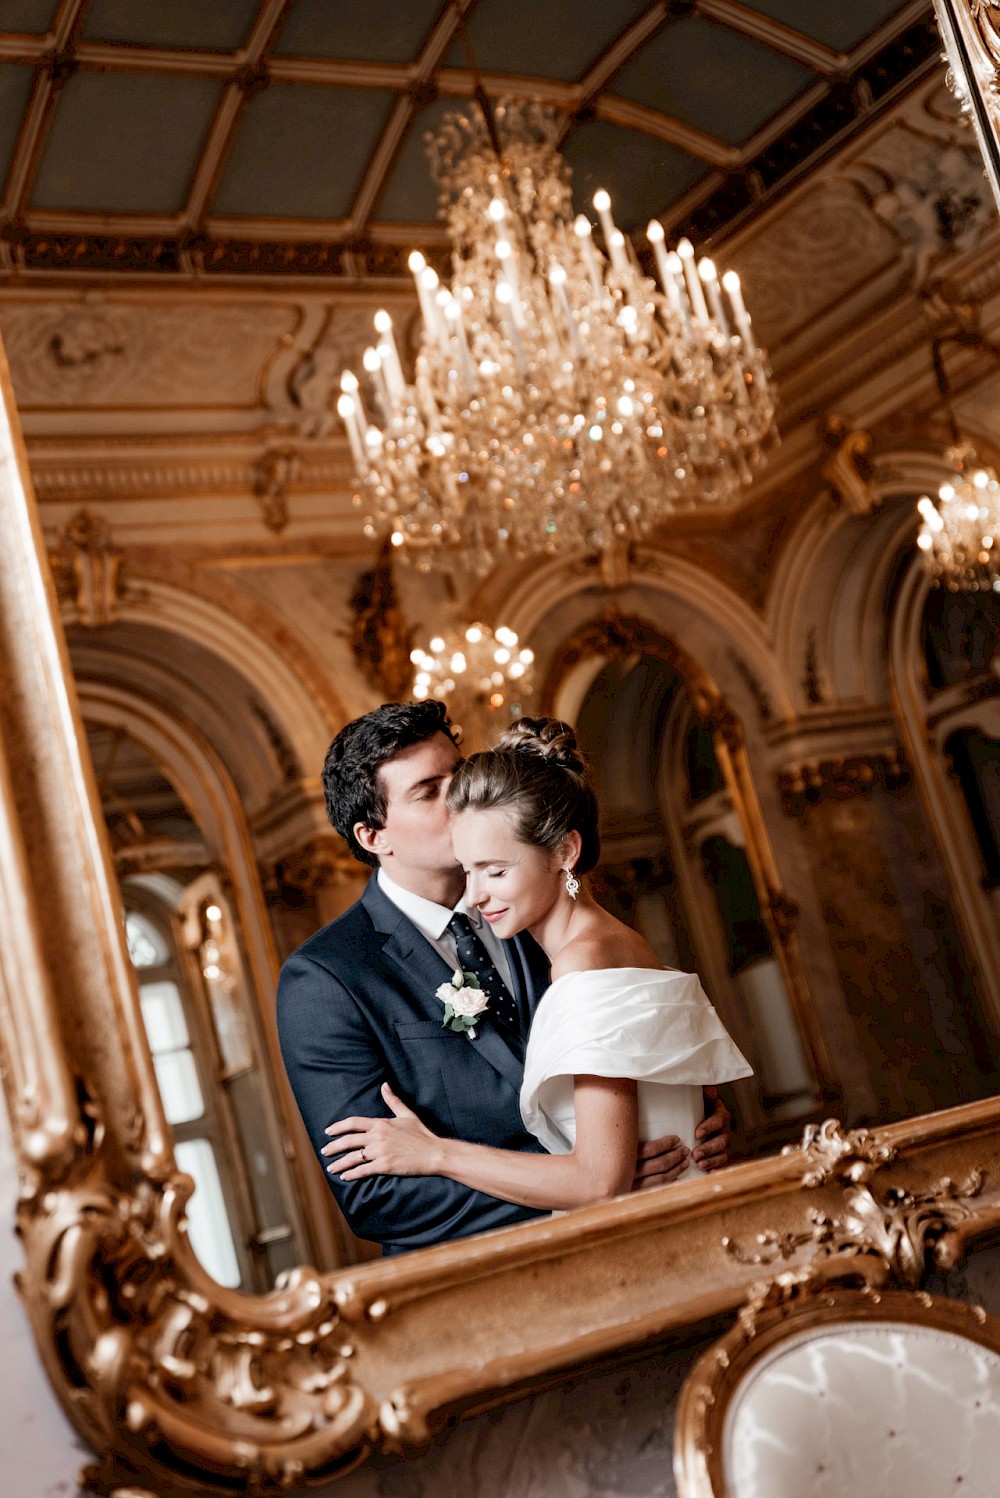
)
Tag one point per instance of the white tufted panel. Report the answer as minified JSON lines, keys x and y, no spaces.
{"x":877,"y":1410}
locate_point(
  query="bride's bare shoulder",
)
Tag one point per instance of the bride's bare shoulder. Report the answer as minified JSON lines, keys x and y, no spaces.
{"x":604,"y":949}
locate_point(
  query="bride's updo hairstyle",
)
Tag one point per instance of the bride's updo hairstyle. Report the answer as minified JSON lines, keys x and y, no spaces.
{"x":537,"y":773}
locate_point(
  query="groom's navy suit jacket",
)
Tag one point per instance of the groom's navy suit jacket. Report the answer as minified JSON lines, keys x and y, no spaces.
{"x":358,"y":1006}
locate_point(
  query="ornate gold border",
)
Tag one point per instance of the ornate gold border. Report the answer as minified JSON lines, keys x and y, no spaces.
{"x":179,"y":1385}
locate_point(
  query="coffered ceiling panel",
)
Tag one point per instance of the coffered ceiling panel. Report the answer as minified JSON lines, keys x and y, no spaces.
{"x":747,"y":84}
{"x":841,"y":25}
{"x":557,"y":39}
{"x":300,"y":151}
{"x":636,"y":170}
{"x":377,"y":31}
{"x":32,"y":16}
{"x":214,"y":25}
{"x":256,"y":135}
{"x":125,"y":142}
{"x":15,"y":86}
{"x":410,"y":195}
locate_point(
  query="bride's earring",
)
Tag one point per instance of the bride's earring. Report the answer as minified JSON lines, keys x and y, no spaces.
{"x":572,"y":884}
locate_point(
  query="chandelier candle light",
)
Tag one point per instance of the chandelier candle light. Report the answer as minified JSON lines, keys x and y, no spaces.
{"x":561,"y":398}
{"x":960,"y":530}
{"x":471,"y":664}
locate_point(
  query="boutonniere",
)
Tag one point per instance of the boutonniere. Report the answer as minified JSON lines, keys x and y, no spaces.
{"x":464,"y":1001}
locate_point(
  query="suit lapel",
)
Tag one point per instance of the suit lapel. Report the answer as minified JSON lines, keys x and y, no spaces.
{"x":422,"y":970}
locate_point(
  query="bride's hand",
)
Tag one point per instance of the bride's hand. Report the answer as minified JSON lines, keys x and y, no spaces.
{"x":397,"y":1146}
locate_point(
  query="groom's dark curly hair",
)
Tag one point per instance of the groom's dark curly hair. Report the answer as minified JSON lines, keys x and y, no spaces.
{"x":351,"y":780}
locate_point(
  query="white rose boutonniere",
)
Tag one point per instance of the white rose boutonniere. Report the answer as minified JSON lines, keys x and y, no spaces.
{"x":464,"y":1001}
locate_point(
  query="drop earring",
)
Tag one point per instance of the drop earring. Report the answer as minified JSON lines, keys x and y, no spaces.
{"x":572,"y":884}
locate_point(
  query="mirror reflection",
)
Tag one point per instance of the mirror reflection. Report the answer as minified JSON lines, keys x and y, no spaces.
{"x":792,"y":729}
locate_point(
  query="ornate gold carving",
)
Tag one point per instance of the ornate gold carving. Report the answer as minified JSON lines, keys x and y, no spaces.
{"x":87,"y":569}
{"x":810,"y":781}
{"x":274,"y":473}
{"x":380,"y":636}
{"x":908,"y":1233}
{"x":849,"y":468}
{"x":170,"y":1362}
{"x":833,"y":1153}
{"x":317,"y":864}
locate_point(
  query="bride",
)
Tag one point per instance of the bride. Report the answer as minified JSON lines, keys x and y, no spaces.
{"x":619,"y":1048}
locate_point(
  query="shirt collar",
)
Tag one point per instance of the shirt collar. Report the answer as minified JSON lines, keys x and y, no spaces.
{"x":430,"y":918}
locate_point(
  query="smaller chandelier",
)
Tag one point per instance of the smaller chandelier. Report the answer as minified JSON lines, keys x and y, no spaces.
{"x":476,"y":666}
{"x":960,"y":530}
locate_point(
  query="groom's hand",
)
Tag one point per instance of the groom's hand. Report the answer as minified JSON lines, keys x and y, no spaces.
{"x":660,"y":1161}
{"x":714,"y":1134}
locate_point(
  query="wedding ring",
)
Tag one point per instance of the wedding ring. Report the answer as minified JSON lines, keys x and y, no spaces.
{"x":364,"y":1157}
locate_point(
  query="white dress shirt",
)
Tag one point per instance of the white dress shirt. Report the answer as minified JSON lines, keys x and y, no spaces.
{"x":431,"y":920}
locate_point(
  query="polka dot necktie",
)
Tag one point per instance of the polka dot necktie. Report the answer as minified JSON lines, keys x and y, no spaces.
{"x":474,"y":958}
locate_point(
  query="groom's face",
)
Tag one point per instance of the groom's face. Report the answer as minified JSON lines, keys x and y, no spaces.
{"x":415,"y":843}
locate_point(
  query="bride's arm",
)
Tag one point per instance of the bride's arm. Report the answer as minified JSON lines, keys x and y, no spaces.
{"x":601,"y":1165}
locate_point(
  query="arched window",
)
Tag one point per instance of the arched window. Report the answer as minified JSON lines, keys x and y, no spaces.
{"x":185,"y":1092}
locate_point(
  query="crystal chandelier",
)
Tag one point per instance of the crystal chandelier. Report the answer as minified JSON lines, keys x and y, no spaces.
{"x":561,"y":398}
{"x":473,"y":666}
{"x":960,"y":530}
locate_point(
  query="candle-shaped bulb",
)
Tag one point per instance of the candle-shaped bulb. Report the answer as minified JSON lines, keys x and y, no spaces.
{"x":505,"y":293}
{"x":602,"y":200}
{"x":383,"y":322}
{"x":582,"y":226}
{"x":674,"y":263}
{"x":557,"y":275}
{"x":497,"y":210}
{"x":654,"y":231}
{"x":731,"y":282}
{"x":503,"y":249}
{"x":372,"y":360}
{"x":345,"y":406}
{"x":706,"y":269}
{"x":416,"y":262}
{"x":429,"y":278}
{"x":349,"y":381}
{"x":685,"y":249}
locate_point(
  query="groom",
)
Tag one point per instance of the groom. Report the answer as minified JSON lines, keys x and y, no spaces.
{"x":358,"y":1006}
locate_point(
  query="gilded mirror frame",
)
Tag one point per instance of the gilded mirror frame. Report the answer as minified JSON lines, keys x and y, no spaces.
{"x":180,"y":1385}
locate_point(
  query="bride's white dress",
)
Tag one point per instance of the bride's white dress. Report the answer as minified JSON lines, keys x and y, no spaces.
{"x":656,"y":1027}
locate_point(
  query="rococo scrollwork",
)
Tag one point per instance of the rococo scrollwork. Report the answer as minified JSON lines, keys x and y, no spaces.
{"x":899,"y":1236}
{"x":169,"y":1375}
